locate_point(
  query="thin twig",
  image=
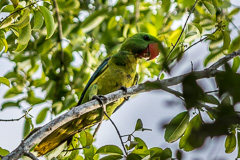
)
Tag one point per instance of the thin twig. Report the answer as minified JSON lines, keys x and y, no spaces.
{"x":1,"y":22}
{"x":233,"y":24}
{"x":183,"y":28}
{"x":85,"y":62}
{"x":119,"y":135}
{"x":211,"y":91}
{"x":11,"y":120}
{"x":30,"y":155}
{"x":96,"y":130}
{"x":60,"y":34}
{"x":69,"y":150}
{"x":175,"y":93}
{"x":202,"y":39}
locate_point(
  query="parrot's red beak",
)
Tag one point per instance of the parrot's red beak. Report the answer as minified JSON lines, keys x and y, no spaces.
{"x":151,"y":52}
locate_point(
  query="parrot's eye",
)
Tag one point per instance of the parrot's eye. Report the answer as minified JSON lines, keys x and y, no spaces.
{"x":145,"y":37}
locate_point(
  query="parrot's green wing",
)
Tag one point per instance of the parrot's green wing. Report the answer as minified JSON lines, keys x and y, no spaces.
{"x":99,"y":70}
{"x":135,"y":82}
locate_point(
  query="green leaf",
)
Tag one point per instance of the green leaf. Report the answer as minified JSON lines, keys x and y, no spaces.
{"x":185,"y":3}
{"x":233,"y":12}
{"x":109,"y":149}
{"x":226,"y":40}
{"x":20,"y":48}
{"x":3,"y":41}
{"x":42,"y":115}
{"x":209,"y":7}
{"x":141,"y":148}
{"x":210,"y":99}
{"x":228,"y":82}
{"x":86,"y":138}
{"x":8,"y":8}
{"x":189,"y":34}
{"x":10,"y":104}
{"x":69,"y":102}
{"x":89,"y":152}
{"x":132,"y":145}
{"x":5,"y":81}
{"x":23,"y":21}
{"x":166,"y":154}
{"x":236,"y":64}
{"x":174,"y":36}
{"x":155,"y":152}
{"x":133,"y":156}
{"x":15,"y":3}
{"x":186,"y":141}
{"x":112,"y":157}
{"x":212,"y":57}
{"x":192,"y":92}
{"x":6,"y":22}
{"x":139,"y":125}
{"x":230,"y":143}
{"x":198,"y":26}
{"x":26,"y":128}
{"x":212,"y":113}
{"x":38,"y":20}
{"x":238,"y":137}
{"x":12,"y":92}
{"x":24,"y":34}
{"x":177,"y":127}
{"x":112,"y":23}
{"x":3,"y":152}
{"x":166,"y":5}
{"x":235,"y":45}
{"x":49,"y":21}
{"x":94,"y":20}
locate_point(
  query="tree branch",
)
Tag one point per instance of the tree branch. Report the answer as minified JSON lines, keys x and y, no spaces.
{"x":76,"y":112}
{"x":183,"y":28}
{"x":19,"y":10}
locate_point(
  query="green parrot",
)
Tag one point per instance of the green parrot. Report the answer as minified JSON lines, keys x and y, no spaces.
{"x":114,"y":72}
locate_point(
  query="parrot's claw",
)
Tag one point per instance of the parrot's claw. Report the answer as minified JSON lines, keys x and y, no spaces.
{"x":124,"y":89}
{"x":99,"y":98}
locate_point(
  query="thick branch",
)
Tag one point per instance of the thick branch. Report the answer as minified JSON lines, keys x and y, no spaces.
{"x":76,"y":112}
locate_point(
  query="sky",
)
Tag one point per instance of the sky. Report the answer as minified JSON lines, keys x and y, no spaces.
{"x":152,"y":107}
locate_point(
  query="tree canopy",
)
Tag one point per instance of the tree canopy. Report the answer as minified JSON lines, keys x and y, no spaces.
{"x":56,"y":45}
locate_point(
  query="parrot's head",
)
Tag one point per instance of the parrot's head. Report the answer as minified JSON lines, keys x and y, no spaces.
{"x":142,"y":45}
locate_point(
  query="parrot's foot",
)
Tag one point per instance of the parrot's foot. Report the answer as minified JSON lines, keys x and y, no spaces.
{"x":124,"y":89}
{"x":100,"y":99}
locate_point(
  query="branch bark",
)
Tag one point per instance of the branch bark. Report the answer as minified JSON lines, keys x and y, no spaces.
{"x":76,"y":112}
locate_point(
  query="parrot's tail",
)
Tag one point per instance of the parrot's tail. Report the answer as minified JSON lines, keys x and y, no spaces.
{"x":67,"y":131}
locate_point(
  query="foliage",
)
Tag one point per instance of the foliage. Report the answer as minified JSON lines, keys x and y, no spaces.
{"x":47,"y":64}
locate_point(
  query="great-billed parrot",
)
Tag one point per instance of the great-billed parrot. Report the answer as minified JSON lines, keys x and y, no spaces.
{"x":113,"y":73}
